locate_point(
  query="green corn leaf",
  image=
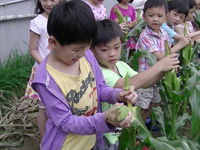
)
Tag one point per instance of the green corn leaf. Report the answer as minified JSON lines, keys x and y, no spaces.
{"x":163,"y":143}
{"x":181,"y":120}
{"x":120,"y":17}
{"x":140,"y":25}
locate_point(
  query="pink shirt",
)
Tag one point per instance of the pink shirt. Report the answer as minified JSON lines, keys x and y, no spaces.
{"x":152,"y":41}
{"x":130,"y":12}
{"x":99,"y":12}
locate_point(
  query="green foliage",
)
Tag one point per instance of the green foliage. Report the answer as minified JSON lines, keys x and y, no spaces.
{"x":14,"y":74}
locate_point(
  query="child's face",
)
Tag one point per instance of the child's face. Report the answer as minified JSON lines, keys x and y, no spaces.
{"x":197,"y":4}
{"x":67,"y":54}
{"x":107,"y":55}
{"x":174,"y":18}
{"x":125,"y":1}
{"x":48,"y":5}
{"x":155,"y":17}
{"x":190,"y":16}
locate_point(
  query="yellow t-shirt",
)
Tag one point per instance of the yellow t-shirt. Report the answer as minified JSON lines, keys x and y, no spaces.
{"x":80,"y":93}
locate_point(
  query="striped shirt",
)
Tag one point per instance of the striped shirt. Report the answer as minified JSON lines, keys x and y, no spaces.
{"x":152,"y":41}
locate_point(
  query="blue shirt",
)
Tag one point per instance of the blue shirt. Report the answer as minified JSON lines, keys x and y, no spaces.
{"x":171,"y":33}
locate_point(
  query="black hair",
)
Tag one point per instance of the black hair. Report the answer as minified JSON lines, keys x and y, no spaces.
{"x":155,"y":4}
{"x":182,"y":6}
{"x":107,"y":31}
{"x":192,"y":4}
{"x":128,"y":2}
{"x":38,"y":9}
{"x":72,"y":22}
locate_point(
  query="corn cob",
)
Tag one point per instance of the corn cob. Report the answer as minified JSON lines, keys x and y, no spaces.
{"x":119,"y":14}
{"x":118,"y":113}
{"x":168,"y":74}
{"x":138,"y":15}
{"x":187,"y":51}
{"x":127,"y":88}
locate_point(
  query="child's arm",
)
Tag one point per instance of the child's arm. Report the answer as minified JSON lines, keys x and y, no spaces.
{"x":33,"y":47}
{"x":133,"y":24}
{"x":69,"y":123}
{"x":190,"y":35}
{"x":181,"y":44}
{"x":152,"y":75}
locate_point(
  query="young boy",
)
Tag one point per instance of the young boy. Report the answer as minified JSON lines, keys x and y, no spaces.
{"x":107,"y":49}
{"x":70,"y":83}
{"x":153,"y":38}
{"x":178,"y":10}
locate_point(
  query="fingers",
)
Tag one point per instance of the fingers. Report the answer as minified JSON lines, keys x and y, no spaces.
{"x":127,"y":121}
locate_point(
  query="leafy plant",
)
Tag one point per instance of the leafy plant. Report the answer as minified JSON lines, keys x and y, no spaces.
{"x":180,"y":95}
{"x":14,"y":74}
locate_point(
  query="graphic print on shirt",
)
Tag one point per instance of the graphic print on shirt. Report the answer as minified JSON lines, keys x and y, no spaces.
{"x":73,"y":97}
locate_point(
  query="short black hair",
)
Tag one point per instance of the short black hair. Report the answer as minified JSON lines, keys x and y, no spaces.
{"x":128,"y":2}
{"x":107,"y":31}
{"x":192,"y":4}
{"x":155,"y":4}
{"x":72,"y":22}
{"x":181,"y":6}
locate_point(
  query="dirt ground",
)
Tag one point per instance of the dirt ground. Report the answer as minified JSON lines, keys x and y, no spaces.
{"x":28,"y":144}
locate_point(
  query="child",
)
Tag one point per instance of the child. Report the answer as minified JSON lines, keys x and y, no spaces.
{"x":39,"y":48}
{"x":131,"y":21}
{"x":153,"y":38}
{"x":70,"y":83}
{"x":187,"y":23}
{"x":98,"y":9}
{"x":107,"y":49}
{"x":125,"y":9}
{"x":178,"y":10}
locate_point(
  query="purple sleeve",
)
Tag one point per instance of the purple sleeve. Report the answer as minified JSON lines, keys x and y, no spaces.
{"x":105,"y":92}
{"x":60,"y":114}
{"x":113,"y":16}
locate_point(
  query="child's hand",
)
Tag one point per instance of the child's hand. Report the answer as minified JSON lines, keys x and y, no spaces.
{"x":124,"y":27}
{"x":113,"y":118}
{"x":129,"y":96}
{"x":184,"y":42}
{"x":169,"y":62}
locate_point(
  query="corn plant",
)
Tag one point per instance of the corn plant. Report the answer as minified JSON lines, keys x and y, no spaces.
{"x":179,"y":94}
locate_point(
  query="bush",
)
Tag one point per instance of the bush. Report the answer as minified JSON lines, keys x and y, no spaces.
{"x":14,"y":75}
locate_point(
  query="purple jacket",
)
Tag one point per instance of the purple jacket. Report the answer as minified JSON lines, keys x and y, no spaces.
{"x":60,"y":118}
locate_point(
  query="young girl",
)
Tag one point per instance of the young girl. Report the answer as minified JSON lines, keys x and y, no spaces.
{"x":125,"y":9}
{"x":98,"y":9}
{"x":188,"y":24}
{"x":129,"y":11}
{"x":39,"y":49}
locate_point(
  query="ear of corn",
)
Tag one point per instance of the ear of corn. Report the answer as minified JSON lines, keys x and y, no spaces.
{"x":118,"y":113}
{"x":119,"y":15}
{"x":138,"y":15}
{"x":127,"y":88}
{"x":168,"y":74}
{"x":187,"y":51}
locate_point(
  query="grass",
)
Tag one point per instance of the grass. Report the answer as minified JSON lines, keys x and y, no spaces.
{"x":14,"y":75}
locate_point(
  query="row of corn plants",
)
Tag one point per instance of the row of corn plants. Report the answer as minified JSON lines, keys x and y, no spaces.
{"x":180,"y":96}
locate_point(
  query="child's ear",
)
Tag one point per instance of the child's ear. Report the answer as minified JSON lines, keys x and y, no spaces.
{"x":52,"y":42}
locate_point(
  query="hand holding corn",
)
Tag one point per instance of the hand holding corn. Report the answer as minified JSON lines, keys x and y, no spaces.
{"x":168,"y":63}
{"x":119,"y":115}
{"x":128,"y":96}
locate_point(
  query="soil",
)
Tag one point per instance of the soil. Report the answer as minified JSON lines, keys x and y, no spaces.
{"x":28,"y":144}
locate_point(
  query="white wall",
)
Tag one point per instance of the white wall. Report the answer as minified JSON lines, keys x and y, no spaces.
{"x":14,"y":33}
